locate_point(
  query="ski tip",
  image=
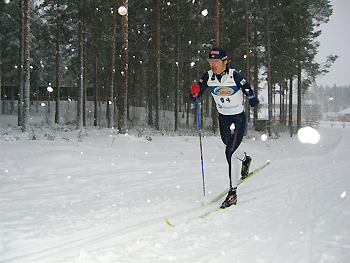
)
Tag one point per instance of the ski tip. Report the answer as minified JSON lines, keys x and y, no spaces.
{"x":167,"y":221}
{"x":268,"y":161}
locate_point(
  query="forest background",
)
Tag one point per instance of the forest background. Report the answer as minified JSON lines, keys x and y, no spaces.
{"x":84,"y":60}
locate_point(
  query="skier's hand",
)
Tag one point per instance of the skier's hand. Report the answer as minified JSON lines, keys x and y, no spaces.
{"x":253,"y":101}
{"x":195,"y":90}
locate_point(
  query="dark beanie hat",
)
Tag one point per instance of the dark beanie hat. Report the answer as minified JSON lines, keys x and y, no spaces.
{"x":217,"y":53}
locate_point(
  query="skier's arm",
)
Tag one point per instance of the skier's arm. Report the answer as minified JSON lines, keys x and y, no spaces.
{"x":247,"y":90}
{"x":202,"y":87}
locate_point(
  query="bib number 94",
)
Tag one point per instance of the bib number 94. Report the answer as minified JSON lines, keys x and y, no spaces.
{"x":223,"y":100}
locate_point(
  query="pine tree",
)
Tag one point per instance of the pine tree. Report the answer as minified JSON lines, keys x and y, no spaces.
{"x":110,"y":100}
{"x":123,"y":95}
{"x":57,"y":64}
{"x":26,"y":65}
{"x":81,"y":63}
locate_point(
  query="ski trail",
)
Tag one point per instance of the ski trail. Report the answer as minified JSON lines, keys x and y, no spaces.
{"x":193,"y":213}
{"x":98,"y":238}
{"x":286,"y":184}
{"x":340,"y":245}
{"x":336,"y":238}
{"x":307,"y":255}
{"x":90,"y":240}
{"x":282,"y":228}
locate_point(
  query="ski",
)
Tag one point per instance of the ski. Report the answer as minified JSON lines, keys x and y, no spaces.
{"x":167,"y":221}
{"x":223,"y":194}
{"x":239,"y":182}
{"x":219,"y":208}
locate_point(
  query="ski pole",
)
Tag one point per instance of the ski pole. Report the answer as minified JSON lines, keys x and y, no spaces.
{"x":200,"y":143}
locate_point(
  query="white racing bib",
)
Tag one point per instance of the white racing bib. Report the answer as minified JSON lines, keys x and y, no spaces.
{"x":228,"y":97}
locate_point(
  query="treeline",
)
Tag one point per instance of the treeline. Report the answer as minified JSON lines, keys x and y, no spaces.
{"x":329,"y":99}
{"x":150,"y":56}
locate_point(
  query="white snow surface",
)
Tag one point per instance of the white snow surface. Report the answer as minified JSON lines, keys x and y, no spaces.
{"x":105,"y":199}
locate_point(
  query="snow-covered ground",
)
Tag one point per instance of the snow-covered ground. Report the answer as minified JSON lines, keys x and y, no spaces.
{"x":104,"y":199}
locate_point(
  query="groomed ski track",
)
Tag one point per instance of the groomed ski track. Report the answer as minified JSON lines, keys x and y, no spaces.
{"x":295,"y":210}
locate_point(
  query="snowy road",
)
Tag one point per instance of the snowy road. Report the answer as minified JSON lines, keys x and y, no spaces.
{"x":105,"y":199}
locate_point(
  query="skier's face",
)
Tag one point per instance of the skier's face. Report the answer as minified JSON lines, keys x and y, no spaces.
{"x":217,"y":65}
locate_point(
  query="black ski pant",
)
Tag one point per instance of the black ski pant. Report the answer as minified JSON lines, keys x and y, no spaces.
{"x":232,"y":136}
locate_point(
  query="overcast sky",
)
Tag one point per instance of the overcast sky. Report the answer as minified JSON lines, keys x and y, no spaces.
{"x":335,"y":40}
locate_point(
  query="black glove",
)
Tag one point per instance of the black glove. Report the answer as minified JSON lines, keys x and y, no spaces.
{"x":253,"y":101}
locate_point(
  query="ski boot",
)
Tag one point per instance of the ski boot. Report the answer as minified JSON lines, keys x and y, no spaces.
{"x":245,"y":166}
{"x":231,"y":198}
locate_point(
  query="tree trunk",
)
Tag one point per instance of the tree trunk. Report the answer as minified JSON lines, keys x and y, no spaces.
{"x":2,"y":89}
{"x":247,"y":59}
{"x":269,"y":85}
{"x":290,"y":119}
{"x":214,"y":112}
{"x":299,"y":88}
{"x":285,"y":103}
{"x":26,"y":46}
{"x":177,"y":80}
{"x":123,"y":96}
{"x":281,"y":119}
{"x":96,"y":97}
{"x":256,"y":73}
{"x":217,"y":23}
{"x":157,"y":16}
{"x":57,"y":64}
{"x":84,"y":76}
{"x":150,"y":89}
{"x":20,"y":68}
{"x":299,"y":74}
{"x":110,"y":98}
{"x":299,"y":95}
{"x":81,"y":68}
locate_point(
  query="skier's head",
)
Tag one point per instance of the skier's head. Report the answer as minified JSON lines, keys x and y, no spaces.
{"x":217,"y":60}
{"x":218,"y":53}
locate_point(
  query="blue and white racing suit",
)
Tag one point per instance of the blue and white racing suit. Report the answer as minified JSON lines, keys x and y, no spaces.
{"x":227,"y":90}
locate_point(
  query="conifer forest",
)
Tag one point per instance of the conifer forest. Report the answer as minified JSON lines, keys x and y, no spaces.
{"x":106,"y":67}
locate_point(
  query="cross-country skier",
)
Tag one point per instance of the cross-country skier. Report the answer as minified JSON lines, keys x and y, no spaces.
{"x":227,"y":87}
